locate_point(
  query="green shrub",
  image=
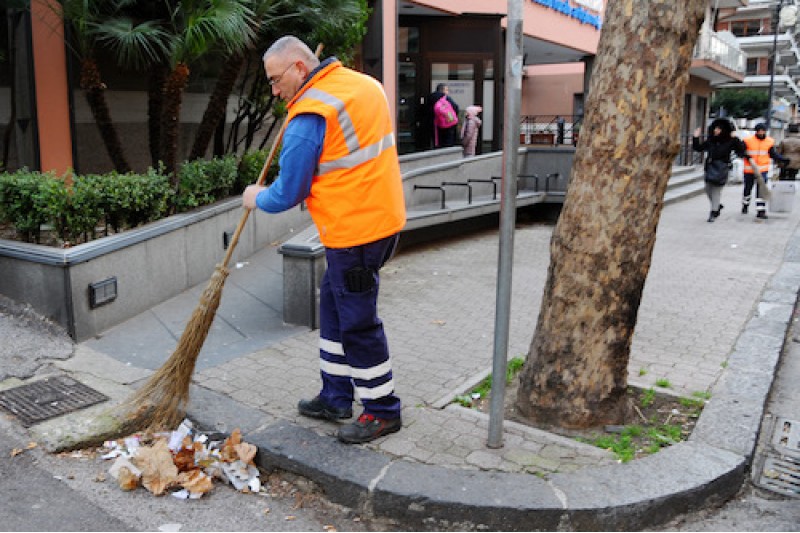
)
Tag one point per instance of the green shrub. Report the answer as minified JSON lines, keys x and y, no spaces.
{"x":128,"y":200}
{"x":81,"y":213}
{"x":29,"y":200}
{"x":150,"y":196}
{"x":250,"y":169}
{"x":203,"y":182}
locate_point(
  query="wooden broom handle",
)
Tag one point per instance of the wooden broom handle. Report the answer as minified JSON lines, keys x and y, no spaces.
{"x":260,"y":181}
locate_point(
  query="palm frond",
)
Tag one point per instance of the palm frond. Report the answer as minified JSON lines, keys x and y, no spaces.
{"x":134,"y":45}
{"x":224,"y":23}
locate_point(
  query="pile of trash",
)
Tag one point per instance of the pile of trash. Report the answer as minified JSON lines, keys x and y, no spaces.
{"x":183,"y":461}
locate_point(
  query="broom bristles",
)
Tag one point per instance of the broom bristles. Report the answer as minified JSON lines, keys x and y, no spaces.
{"x":161,"y":403}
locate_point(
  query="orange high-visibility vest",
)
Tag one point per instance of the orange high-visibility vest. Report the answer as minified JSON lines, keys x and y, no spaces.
{"x":357,"y":193}
{"x":758,"y":150}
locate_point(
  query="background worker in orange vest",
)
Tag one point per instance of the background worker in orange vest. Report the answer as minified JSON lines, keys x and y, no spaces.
{"x":339,"y":155}
{"x":760,"y":149}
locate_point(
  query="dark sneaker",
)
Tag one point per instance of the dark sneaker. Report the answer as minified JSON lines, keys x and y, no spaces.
{"x":762,"y":215}
{"x":317,"y":408}
{"x":367,"y":428}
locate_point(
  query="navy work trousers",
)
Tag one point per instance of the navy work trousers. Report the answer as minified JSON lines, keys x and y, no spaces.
{"x":354,"y":354}
{"x":749,"y":182}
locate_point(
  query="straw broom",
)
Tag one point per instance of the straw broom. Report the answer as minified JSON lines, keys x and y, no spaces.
{"x":161,"y":402}
{"x":762,"y":186}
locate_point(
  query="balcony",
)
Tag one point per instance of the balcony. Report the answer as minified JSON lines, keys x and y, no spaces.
{"x":786,"y":68}
{"x":718,"y":58}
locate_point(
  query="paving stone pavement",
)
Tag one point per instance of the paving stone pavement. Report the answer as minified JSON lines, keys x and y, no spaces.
{"x":713,"y":317}
{"x":437,"y":303}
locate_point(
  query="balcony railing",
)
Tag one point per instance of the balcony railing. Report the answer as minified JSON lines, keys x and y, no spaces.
{"x":550,"y":129}
{"x":716,"y":47}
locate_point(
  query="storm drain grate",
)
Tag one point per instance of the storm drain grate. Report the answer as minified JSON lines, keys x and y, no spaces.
{"x":781,"y":469}
{"x":48,"y":398}
{"x":781,"y":475}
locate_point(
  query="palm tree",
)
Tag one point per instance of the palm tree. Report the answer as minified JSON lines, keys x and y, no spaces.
{"x":197,"y":28}
{"x":97,"y":23}
{"x":232,"y":66}
{"x":338,"y":24}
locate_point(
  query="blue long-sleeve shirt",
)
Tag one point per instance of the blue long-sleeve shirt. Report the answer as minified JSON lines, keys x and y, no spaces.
{"x":302,"y":147}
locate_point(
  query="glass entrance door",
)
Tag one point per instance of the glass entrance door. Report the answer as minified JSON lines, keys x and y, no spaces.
{"x":406,"y":106}
{"x":469,"y":82}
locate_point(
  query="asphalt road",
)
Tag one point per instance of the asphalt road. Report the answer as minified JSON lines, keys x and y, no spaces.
{"x":73,"y":492}
{"x":753,"y":509}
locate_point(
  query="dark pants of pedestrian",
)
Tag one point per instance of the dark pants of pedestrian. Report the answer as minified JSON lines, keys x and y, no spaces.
{"x":749,"y":181}
{"x":354,"y":353}
{"x":445,"y":137}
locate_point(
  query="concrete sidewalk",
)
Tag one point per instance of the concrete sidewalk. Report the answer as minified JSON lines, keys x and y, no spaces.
{"x":716,"y":307}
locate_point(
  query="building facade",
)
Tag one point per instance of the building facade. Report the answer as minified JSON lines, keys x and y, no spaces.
{"x":771,"y":47}
{"x":411,"y":45}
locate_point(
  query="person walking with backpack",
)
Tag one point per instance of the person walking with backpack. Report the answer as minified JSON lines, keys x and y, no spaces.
{"x":444,"y":111}
{"x":720,"y":145}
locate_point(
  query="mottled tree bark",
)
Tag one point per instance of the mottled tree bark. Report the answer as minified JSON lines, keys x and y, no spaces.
{"x":217,"y":104}
{"x":575,"y":375}
{"x":170,"y":119}
{"x":156,"y":80}
{"x":95,"y":90}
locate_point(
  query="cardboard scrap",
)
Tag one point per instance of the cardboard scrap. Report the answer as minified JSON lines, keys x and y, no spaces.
{"x":158,"y":470}
{"x":183,"y":462}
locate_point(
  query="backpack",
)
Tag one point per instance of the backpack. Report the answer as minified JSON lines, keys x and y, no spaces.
{"x":444,"y":116}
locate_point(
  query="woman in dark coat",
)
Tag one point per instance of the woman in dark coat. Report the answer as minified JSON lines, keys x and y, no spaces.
{"x":720,"y":144}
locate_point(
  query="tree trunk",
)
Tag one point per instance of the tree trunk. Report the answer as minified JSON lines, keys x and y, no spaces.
{"x":155,"y":103}
{"x":217,"y":104}
{"x":94,"y":88}
{"x":173,"y":95}
{"x":575,"y":375}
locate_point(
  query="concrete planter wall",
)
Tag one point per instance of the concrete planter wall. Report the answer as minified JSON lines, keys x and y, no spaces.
{"x":144,"y":266}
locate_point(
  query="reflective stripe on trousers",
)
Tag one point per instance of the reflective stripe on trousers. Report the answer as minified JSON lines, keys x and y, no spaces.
{"x":354,"y":354}
{"x":749,"y":182}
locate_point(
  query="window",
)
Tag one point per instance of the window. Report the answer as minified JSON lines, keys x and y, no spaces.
{"x":746,"y":28}
{"x":752,"y":66}
{"x":408,"y":40}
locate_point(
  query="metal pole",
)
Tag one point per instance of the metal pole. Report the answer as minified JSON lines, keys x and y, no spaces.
{"x":775,"y":23}
{"x":508,"y":210}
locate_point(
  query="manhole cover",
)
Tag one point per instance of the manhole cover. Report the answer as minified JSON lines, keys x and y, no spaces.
{"x":40,"y":400}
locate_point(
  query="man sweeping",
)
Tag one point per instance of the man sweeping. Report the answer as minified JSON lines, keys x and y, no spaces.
{"x":339,"y":155}
{"x":760,"y":149}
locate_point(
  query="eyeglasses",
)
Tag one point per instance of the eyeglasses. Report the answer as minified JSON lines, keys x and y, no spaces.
{"x":273,"y":81}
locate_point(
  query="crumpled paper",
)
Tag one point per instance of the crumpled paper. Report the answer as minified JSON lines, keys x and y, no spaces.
{"x":182,"y":461}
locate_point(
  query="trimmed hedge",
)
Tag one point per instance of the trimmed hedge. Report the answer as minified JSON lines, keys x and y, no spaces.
{"x":31,"y":201}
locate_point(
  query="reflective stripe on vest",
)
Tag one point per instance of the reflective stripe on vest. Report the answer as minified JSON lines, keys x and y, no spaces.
{"x":758,"y":150}
{"x":357,"y":154}
{"x":356,"y":195}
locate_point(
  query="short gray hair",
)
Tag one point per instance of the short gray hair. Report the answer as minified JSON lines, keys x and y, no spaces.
{"x":294,"y":49}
